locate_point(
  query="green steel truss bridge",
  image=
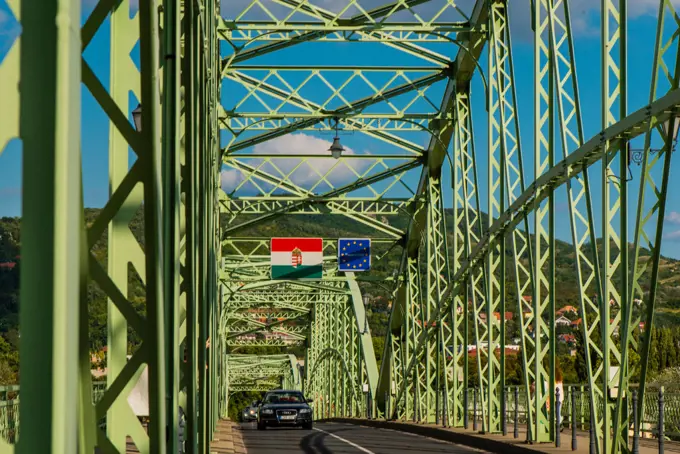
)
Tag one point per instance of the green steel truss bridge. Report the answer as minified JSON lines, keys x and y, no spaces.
{"x":211,"y":189}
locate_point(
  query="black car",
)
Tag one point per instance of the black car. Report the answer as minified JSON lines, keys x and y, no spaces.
{"x":249,"y":413}
{"x":284,"y":408}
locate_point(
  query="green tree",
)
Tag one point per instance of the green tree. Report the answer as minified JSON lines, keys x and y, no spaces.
{"x":378,"y":348}
{"x":7,"y":375}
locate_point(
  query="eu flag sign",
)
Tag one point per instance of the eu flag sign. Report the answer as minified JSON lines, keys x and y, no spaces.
{"x":354,"y":254}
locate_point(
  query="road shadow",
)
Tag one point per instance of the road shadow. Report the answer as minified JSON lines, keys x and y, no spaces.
{"x":314,"y":444}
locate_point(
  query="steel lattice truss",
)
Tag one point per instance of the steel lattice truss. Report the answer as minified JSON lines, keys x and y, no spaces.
{"x":261,"y":373}
{"x":442,"y":299}
{"x":231,"y":96}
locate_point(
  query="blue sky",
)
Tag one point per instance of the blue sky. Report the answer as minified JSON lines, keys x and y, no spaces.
{"x":585,"y":14}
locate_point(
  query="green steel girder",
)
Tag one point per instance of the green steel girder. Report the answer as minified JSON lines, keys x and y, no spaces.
{"x":338,"y":205}
{"x":57,"y":415}
{"x":597,"y":149}
{"x":340,"y":358}
{"x":327,"y":18}
{"x":370,"y":26}
{"x":651,"y":202}
{"x":420,"y":327}
{"x":361,"y":183}
{"x":379,"y":125}
{"x":262,"y":373}
{"x":270,"y":342}
{"x":207,"y":292}
{"x":358,"y":105}
{"x":541,"y":367}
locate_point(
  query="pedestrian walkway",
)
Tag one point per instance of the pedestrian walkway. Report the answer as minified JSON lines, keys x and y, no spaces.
{"x":499,"y":442}
{"x":228,"y":439}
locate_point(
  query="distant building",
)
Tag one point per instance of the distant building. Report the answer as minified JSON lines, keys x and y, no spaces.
{"x":510,"y":350}
{"x":567,"y":309}
{"x":568,"y":339}
{"x":497,"y":316}
{"x":562,"y":321}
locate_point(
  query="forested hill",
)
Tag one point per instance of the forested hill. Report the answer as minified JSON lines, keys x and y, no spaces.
{"x":306,"y":225}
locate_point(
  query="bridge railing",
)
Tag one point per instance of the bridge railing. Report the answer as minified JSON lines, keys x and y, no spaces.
{"x":648,"y":425}
{"x":9,"y":408}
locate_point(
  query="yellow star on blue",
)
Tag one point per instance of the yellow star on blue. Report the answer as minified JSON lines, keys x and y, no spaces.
{"x":354,"y":254}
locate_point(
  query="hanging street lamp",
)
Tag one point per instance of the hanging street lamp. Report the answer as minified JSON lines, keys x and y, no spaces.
{"x":336,"y":148}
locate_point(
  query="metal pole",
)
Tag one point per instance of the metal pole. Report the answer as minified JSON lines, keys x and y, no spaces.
{"x":515,"y":431}
{"x":51,"y":266}
{"x":445,"y":405}
{"x":466,"y":414}
{"x":636,"y":424}
{"x":558,"y":408}
{"x":591,"y":428}
{"x":474,"y":409}
{"x":171,"y":222}
{"x":574,"y":442}
{"x":416,"y":405}
{"x":370,"y":405}
{"x":661,"y":423}
{"x":505,"y":414}
{"x":437,"y":406}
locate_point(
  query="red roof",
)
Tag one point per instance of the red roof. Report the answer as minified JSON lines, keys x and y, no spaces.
{"x":508,"y":352}
{"x":568,"y":337}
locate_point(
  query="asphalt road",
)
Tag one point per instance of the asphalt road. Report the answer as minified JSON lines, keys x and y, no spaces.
{"x":333,"y":438}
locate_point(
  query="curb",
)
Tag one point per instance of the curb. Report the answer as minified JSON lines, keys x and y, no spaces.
{"x":470,"y":440}
{"x":227,"y":439}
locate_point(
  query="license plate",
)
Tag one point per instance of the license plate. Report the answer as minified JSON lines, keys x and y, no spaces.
{"x":287,"y":416}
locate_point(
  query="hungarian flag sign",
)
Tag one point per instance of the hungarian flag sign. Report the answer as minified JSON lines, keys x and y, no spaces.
{"x":297,"y":258}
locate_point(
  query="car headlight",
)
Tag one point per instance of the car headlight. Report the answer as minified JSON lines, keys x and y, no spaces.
{"x":267,"y":411}
{"x":252,"y":412}
{"x":305,"y":411}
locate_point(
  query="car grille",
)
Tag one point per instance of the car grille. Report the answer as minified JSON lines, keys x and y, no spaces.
{"x":286,"y":412}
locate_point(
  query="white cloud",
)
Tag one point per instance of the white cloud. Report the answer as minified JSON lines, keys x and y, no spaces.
{"x":672,"y":217}
{"x":305,"y":175}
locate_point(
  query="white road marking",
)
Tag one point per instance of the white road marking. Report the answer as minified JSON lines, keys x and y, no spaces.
{"x":360,"y":448}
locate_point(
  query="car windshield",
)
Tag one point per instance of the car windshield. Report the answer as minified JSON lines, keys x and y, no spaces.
{"x":284,"y":398}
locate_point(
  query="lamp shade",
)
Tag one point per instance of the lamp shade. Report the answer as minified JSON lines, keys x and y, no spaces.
{"x":675,"y":129}
{"x":336,"y":148}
